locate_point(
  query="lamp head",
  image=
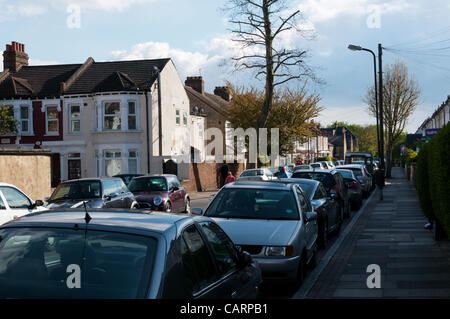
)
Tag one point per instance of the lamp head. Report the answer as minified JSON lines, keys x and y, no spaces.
{"x":354,"y":47}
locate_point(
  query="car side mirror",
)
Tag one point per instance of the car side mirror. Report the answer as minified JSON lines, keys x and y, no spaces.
{"x":197,"y":211}
{"x":111,"y":196}
{"x":39,"y":203}
{"x":244,"y":258}
{"x":47,"y":199}
{"x":311,"y":216}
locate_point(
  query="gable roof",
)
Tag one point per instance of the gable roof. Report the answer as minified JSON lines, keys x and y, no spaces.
{"x":36,"y":81}
{"x":45,"y":80}
{"x":117,"y":76}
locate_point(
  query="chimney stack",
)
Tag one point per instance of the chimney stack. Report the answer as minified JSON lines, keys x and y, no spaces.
{"x":196,"y":82}
{"x":223,"y":92}
{"x":14,"y":57}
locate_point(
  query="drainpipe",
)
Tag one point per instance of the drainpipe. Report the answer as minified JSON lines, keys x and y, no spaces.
{"x":157,"y":70}
{"x":147,"y":113}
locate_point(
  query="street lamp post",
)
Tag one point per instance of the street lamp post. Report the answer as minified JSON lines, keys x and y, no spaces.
{"x":377,"y":108}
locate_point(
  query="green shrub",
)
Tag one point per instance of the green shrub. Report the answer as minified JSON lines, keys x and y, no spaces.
{"x":323,"y":158}
{"x":422,"y":183}
{"x":433,"y":176}
{"x":409,"y":156}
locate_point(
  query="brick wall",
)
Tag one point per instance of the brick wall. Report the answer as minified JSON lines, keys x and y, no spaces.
{"x":206,"y":176}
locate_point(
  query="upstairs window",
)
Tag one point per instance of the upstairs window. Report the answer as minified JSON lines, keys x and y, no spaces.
{"x":185,"y":116}
{"x":24,"y":119}
{"x":75,"y":121}
{"x":112,"y":120}
{"x":177,"y":117}
{"x":131,"y":115}
{"x":52,"y":120}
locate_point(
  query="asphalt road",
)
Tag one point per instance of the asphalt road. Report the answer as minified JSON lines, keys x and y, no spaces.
{"x":275,"y":291}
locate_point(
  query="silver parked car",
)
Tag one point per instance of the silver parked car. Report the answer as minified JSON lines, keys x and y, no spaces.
{"x":257,"y":174}
{"x":274,"y":222}
{"x":317,"y":165}
{"x":362,"y":175}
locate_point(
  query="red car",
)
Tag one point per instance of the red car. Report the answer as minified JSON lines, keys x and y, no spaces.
{"x":160,"y":192}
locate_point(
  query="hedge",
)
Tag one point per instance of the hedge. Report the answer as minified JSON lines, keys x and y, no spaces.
{"x":433,"y":178}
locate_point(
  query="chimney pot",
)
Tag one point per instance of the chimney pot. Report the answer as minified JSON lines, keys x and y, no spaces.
{"x":223,"y":92}
{"x":8,"y":47}
{"x":196,"y":82}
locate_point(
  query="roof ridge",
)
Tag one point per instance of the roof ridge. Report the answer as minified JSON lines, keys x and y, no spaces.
{"x":205,"y":99}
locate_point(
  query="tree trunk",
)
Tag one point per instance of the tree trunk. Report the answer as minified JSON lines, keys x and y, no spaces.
{"x":389,"y":156}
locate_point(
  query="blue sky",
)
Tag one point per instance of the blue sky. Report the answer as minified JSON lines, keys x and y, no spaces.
{"x":194,"y":33}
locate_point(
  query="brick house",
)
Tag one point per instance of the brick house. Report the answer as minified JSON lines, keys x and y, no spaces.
{"x":98,"y":118}
{"x":342,"y":139}
{"x":207,"y":111}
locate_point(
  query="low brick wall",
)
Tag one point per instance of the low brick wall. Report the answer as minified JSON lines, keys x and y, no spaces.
{"x":28,"y":170}
{"x":206,"y":176}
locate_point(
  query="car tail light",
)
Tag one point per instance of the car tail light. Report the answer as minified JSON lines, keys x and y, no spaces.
{"x":317,"y":212}
{"x":335,"y":189}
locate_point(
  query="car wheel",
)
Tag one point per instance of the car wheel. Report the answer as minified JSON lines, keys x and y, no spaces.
{"x":135,"y":206}
{"x":168,"y":207}
{"x":187,"y":206}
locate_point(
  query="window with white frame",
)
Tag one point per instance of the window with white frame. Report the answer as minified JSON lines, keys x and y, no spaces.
{"x":177,"y":117}
{"x":185,"y":116}
{"x":75,"y":118}
{"x":113,"y":163}
{"x":132,"y":162}
{"x":132,"y":115}
{"x":112,"y":119}
{"x":52,"y":121}
{"x":25,"y":119}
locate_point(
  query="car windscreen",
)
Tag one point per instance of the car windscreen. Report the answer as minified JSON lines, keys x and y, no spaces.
{"x":252,"y":203}
{"x":315,"y":165}
{"x":254,"y":172}
{"x":148,"y":184}
{"x":67,"y":263}
{"x":77,"y":190}
{"x":326,"y":179}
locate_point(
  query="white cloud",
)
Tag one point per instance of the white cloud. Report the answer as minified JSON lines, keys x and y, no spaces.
{"x":42,"y":62}
{"x":12,"y":9}
{"x":324,"y":10}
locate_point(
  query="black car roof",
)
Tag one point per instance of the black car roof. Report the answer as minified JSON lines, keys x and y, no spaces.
{"x":112,"y":219}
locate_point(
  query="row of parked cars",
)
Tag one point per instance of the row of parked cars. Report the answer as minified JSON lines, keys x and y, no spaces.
{"x":252,"y":233}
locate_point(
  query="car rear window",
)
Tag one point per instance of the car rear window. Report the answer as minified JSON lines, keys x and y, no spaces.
{"x":256,"y":172}
{"x":148,"y":184}
{"x":345,"y":173}
{"x":67,"y":263}
{"x":77,"y":190}
{"x":325,"y":178}
{"x":253,"y":203}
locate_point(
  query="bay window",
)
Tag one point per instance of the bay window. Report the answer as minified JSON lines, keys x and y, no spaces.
{"x":75,"y":120}
{"x":112,"y":119}
{"x":131,"y":115}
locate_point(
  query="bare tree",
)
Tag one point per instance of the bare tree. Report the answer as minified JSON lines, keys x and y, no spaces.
{"x":258,"y":26}
{"x":401,"y":95}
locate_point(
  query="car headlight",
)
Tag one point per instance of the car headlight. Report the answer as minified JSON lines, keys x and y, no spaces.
{"x":285,"y":251}
{"x":157,"y":200}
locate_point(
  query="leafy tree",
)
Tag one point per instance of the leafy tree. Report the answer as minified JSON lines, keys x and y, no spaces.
{"x":259,"y":26}
{"x":292,"y":113}
{"x":401,"y":94}
{"x":7,"y":122}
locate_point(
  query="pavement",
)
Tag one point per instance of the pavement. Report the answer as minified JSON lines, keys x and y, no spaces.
{"x":391,"y":235}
